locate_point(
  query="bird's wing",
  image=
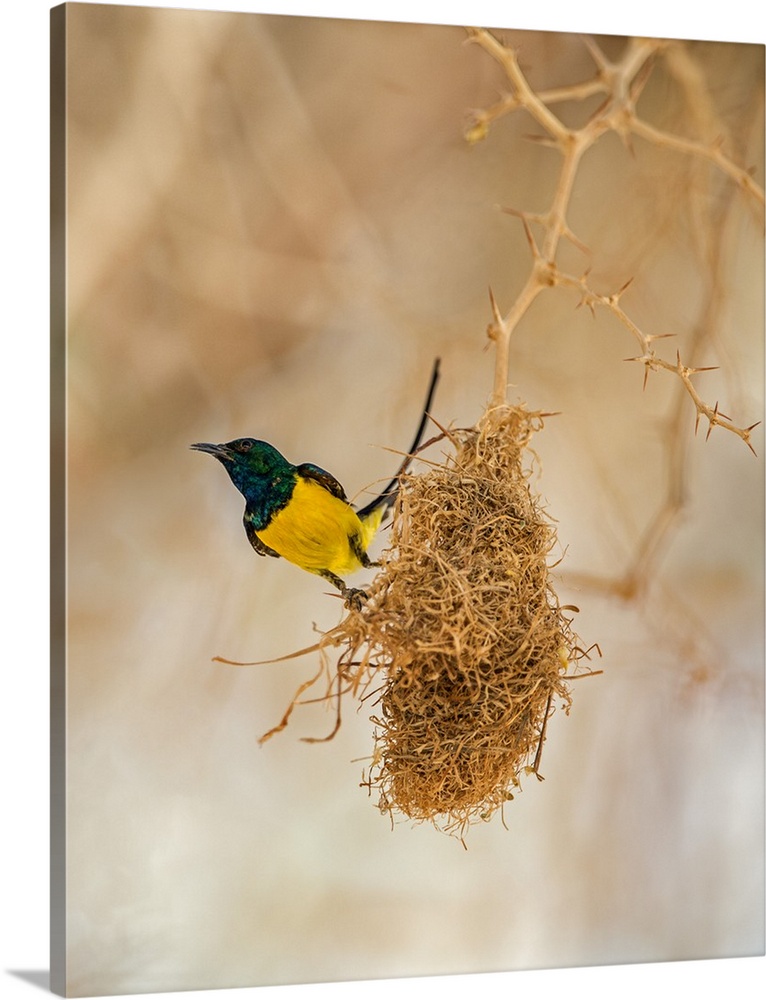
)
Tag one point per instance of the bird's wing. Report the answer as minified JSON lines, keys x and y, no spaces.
{"x":310,"y":471}
{"x":258,"y":545}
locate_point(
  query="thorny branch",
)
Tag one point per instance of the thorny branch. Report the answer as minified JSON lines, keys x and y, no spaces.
{"x":621,"y":83}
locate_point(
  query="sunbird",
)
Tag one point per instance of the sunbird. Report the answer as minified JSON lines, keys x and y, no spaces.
{"x":301,"y":512}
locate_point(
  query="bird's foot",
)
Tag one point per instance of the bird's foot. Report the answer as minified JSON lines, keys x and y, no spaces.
{"x":353,"y":598}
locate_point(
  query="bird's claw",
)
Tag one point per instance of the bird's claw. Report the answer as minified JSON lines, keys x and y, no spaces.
{"x":353,"y":598}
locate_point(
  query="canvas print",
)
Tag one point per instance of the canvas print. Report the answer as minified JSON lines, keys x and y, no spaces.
{"x":407,"y":389}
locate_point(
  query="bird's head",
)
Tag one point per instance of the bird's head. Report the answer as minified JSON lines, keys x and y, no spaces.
{"x":249,"y":462}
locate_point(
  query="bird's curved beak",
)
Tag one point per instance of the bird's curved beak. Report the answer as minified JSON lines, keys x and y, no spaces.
{"x":219,"y":451}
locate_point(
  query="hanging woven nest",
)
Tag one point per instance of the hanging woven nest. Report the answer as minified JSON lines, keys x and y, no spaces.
{"x":462,"y":639}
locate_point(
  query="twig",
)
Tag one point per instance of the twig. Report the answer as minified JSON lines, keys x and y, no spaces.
{"x":622,"y":82}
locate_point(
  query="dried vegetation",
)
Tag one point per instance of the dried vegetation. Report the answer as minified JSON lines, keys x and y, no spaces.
{"x":462,"y":640}
{"x":462,"y":649}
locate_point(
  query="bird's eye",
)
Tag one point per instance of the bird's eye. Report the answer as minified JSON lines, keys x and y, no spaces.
{"x":244,"y":445}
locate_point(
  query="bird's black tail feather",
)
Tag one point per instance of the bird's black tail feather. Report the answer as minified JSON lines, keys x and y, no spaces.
{"x":387,"y":498}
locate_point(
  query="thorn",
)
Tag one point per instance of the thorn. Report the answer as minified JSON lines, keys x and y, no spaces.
{"x":615,"y":297}
{"x":597,"y":114}
{"x":658,"y":336}
{"x":530,"y":239}
{"x":697,"y":422}
{"x":541,"y":140}
{"x":713,"y":418}
{"x":639,"y":80}
{"x":695,"y":371}
{"x":646,"y":376}
{"x":495,"y":311}
{"x":627,"y":140}
{"x":586,"y":299}
{"x":495,"y":327}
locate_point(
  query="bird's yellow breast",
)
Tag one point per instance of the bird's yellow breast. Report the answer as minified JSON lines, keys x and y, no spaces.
{"x":314,"y":531}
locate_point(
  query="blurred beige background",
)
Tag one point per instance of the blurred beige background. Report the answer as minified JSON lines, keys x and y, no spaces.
{"x":274,"y":226}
